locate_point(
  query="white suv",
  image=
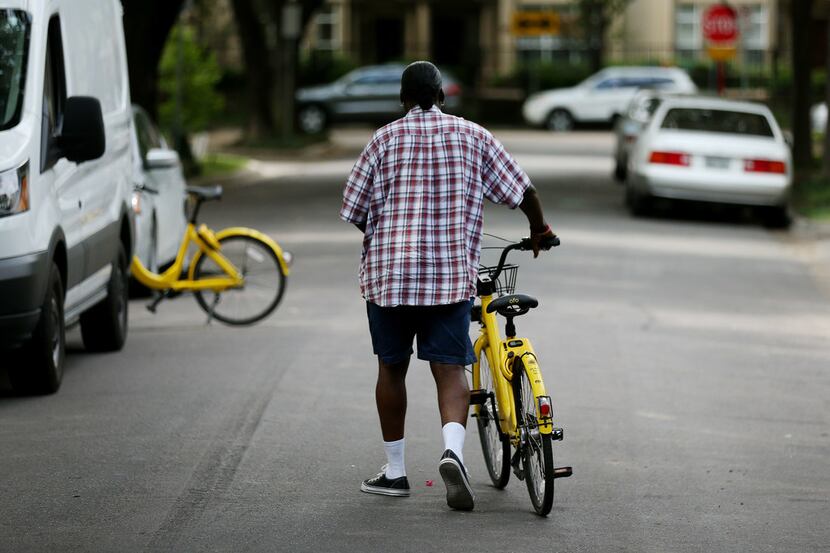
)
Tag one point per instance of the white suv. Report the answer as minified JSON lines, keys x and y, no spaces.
{"x":602,"y":97}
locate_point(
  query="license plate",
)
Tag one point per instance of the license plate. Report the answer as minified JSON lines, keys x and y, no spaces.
{"x":717,"y":162}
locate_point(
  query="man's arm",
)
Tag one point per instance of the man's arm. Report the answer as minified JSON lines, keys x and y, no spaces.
{"x":532,"y":208}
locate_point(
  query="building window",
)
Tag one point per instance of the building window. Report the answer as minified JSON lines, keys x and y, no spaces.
{"x":325,"y":25}
{"x":753,"y":22}
{"x":688,"y":33}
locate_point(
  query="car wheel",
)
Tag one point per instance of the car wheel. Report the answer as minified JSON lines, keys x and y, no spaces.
{"x":777,"y":217}
{"x":559,"y":120}
{"x":638,"y":204}
{"x":137,"y":289}
{"x":620,"y":171}
{"x":37,"y":367}
{"x":312,"y":119}
{"x":104,"y":326}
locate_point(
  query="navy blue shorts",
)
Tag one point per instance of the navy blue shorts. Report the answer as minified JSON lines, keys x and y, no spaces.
{"x":443,"y":332}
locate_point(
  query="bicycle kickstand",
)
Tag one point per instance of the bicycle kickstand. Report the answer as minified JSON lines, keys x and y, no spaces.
{"x":158,"y":297}
{"x":212,"y":308}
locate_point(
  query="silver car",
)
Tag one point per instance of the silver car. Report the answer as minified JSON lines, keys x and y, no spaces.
{"x":630,"y":124}
{"x":367,"y":94}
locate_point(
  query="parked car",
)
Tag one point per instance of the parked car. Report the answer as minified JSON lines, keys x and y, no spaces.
{"x":602,"y":97}
{"x":66,"y":227}
{"x":159,"y":197}
{"x":370,"y":94}
{"x":713,"y":150}
{"x":630,"y":124}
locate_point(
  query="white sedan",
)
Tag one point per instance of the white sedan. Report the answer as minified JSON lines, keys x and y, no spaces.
{"x":714,"y":150}
{"x":159,"y":196}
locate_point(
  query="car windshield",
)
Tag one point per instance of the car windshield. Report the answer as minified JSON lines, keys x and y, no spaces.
{"x":14,"y":47}
{"x":718,"y":121}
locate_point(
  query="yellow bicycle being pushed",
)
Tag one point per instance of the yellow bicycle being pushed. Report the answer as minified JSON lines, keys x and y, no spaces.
{"x":512,"y":406}
{"x":237,"y":274}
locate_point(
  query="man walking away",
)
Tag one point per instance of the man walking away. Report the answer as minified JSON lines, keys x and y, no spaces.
{"x":417,"y":193}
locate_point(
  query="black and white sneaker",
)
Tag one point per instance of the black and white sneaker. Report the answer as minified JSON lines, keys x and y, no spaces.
{"x":396,"y":487}
{"x":459,"y":492}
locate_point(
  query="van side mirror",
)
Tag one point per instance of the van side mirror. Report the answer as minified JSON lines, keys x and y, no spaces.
{"x":82,"y":137}
{"x":159,"y":158}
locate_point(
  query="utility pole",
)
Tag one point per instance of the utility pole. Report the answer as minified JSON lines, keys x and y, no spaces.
{"x":290,"y":33}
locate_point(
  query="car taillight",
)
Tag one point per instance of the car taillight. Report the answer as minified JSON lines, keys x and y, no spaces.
{"x":452,"y":90}
{"x":669,"y":158}
{"x":764,"y":166}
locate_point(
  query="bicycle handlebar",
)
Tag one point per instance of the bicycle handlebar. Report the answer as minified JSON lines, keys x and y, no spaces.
{"x":525,"y":244}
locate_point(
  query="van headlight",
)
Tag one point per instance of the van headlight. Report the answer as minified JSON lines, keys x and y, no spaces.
{"x":14,"y":190}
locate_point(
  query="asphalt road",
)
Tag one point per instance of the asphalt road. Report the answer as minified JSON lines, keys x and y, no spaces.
{"x":688,"y":356}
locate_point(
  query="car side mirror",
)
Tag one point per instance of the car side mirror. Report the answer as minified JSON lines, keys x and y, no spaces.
{"x":160,"y":158}
{"x":82,"y":137}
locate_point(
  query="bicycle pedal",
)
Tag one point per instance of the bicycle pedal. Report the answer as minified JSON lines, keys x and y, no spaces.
{"x":557,"y":434}
{"x":516,"y":463}
{"x":478,"y":397}
{"x":562,"y":472}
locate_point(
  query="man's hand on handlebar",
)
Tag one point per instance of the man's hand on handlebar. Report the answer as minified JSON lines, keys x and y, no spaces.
{"x":542,"y":239}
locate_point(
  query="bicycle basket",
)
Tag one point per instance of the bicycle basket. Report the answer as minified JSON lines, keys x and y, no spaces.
{"x":506,"y":283}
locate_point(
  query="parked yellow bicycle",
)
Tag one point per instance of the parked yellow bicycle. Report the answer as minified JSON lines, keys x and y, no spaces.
{"x":238,"y":274}
{"x":512,"y":406}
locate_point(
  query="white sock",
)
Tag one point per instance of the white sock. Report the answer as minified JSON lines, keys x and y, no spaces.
{"x":454,"y":438}
{"x":394,"y":458}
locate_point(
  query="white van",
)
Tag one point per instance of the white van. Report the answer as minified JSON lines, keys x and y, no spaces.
{"x":65,"y":183}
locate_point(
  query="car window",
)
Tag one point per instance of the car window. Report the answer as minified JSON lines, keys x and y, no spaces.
{"x":54,"y":96}
{"x":608,"y":84}
{"x":717,"y":121}
{"x":148,"y":135}
{"x":14,"y":49}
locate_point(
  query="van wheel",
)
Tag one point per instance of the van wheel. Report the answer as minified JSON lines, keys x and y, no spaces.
{"x":37,"y":367}
{"x":777,"y":217}
{"x":104,"y":326}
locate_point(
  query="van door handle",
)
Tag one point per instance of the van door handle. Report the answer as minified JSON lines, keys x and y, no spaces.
{"x":79,"y":204}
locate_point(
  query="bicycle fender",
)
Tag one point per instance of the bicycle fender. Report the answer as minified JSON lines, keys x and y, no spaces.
{"x":523,"y":350}
{"x":244,"y":231}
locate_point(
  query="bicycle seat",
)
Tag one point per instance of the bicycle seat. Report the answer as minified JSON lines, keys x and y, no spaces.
{"x":205,"y":193}
{"x":512,"y":305}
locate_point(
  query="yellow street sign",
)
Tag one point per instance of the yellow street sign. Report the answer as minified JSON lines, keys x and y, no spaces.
{"x":535,"y":23}
{"x":721,"y":53}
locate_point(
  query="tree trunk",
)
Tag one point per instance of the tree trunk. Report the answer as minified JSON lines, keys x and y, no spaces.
{"x":826,"y":153}
{"x":258,"y":69}
{"x":800,"y":12}
{"x":147,"y":24}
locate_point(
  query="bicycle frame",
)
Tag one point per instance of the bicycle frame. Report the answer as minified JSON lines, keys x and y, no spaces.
{"x":501,"y":359}
{"x":207,"y":243}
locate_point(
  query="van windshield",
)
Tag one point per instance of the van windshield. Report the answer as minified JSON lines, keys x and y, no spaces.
{"x":14,"y":48}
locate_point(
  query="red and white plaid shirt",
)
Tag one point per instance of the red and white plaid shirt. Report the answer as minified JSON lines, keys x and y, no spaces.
{"x":419,"y":186}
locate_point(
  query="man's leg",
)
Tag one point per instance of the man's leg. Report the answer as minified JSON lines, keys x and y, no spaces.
{"x":453,"y":392}
{"x":454,"y":404}
{"x":390,"y":396}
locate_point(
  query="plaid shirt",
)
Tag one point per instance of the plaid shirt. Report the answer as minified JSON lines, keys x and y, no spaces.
{"x":419,"y":186}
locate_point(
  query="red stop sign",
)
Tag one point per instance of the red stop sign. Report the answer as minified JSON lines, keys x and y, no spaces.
{"x":720,"y":24}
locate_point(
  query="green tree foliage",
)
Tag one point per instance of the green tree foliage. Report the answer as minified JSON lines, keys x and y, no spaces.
{"x":200,"y":73}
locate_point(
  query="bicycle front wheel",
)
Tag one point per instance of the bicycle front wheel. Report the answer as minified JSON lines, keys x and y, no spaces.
{"x":537,"y":450}
{"x":496,"y":451}
{"x":262,"y":287}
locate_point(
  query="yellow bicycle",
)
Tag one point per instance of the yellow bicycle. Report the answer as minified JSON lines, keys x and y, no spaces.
{"x":238,"y":274}
{"x":511,"y":405}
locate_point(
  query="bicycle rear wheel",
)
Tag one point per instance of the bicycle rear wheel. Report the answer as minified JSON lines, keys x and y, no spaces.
{"x":261,"y":291}
{"x":496,"y":451}
{"x":537,"y":450}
